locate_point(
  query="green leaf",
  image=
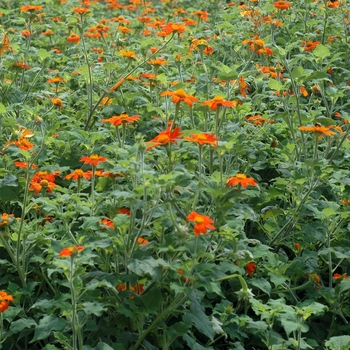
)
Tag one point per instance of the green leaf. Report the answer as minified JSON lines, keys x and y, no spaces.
{"x":9,"y":180}
{"x":43,"y":54}
{"x":2,"y":109}
{"x":341,"y":342}
{"x":262,"y":284}
{"x":298,"y":72}
{"x":152,"y":299}
{"x":198,"y":317}
{"x":93,"y":308}
{"x":48,"y":324}
{"x":275,"y":85}
{"x":344,"y":285}
{"x":103,"y":346}
{"x":321,"y":52}
{"x":147,"y":266}
{"x":19,"y":325}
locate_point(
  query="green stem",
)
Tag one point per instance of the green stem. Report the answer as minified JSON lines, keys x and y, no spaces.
{"x":199,"y":177}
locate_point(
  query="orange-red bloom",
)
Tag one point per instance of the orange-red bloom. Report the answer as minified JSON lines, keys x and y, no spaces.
{"x":4,"y":301}
{"x":81,"y":10}
{"x":24,"y":165}
{"x":241,"y":180}
{"x":164,"y":138}
{"x":41,"y":180}
{"x":107,"y":222}
{"x":218,"y":101}
{"x":124,"y":211}
{"x":6,"y":219}
{"x":4,"y":44}
{"x":282,"y":5}
{"x":250,"y":268}
{"x":22,"y":142}
{"x":180,"y":96}
{"x":73,"y":38}
{"x":339,"y":277}
{"x":71,"y":251}
{"x":202,"y":223}
{"x":117,"y":120}
{"x":203,"y":139}
{"x":93,"y":159}
{"x":318,"y":130}
{"x":78,"y":174}
{"x":310,"y":45}
{"x":31,"y":8}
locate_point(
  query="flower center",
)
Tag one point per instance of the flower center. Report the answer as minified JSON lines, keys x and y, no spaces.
{"x":241,"y":176}
{"x":180,"y":93}
{"x":44,"y":183}
{"x":201,"y":137}
{"x":218,"y":98}
{"x":198,"y":220}
{"x":163,"y":139}
{"x":94,"y":157}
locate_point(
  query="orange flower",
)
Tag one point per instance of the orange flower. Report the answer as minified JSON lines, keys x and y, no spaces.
{"x":25,"y":32}
{"x":164,"y":138}
{"x":319,"y":130}
{"x":6,"y":219}
{"x":173,"y":28}
{"x":117,"y":120}
{"x":241,"y":180}
{"x":73,"y":38}
{"x":31,"y":8}
{"x":117,"y":85}
{"x":282,"y":5}
{"x":202,"y":223}
{"x":4,"y":44}
{"x":124,"y":211}
{"x":81,"y":10}
{"x":180,"y":96}
{"x":158,"y":62}
{"x":42,"y":180}
{"x":56,"y":80}
{"x":243,"y":86}
{"x":333,"y":4}
{"x":24,"y":165}
{"x":250,"y":268}
{"x":142,"y":241}
{"x":255,"y":119}
{"x":93,"y":159}
{"x":4,"y":301}
{"x":129,"y":54}
{"x":71,"y":251}
{"x":57,"y":102}
{"x":338,"y":276}
{"x":107,"y":222}
{"x":310,"y":45}
{"x":22,"y":142}
{"x":203,"y":138}
{"x":218,"y":102}
{"x":47,"y":32}
{"x":78,"y":174}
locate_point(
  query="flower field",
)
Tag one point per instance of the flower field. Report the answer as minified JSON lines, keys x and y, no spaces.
{"x":174,"y":175}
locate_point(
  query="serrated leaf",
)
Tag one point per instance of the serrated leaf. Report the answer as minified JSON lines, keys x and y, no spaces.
{"x":93,"y":308}
{"x":9,"y":180}
{"x":321,"y":51}
{"x":262,"y":284}
{"x":42,"y":53}
{"x":147,"y":266}
{"x":48,"y":324}
{"x":198,"y":317}
{"x":298,"y":72}
{"x":19,"y":325}
{"x":341,"y":342}
{"x":275,"y":85}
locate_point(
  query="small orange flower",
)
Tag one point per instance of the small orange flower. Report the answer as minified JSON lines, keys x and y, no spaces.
{"x":282,"y":5}
{"x":57,"y":102}
{"x":78,"y":174}
{"x":250,"y":268}
{"x":6,"y":219}
{"x":42,"y":180}
{"x":24,"y":165}
{"x":117,"y":85}
{"x":243,"y":86}
{"x":71,"y":251}
{"x":81,"y":10}
{"x":25,"y":32}
{"x":4,"y":301}
{"x":202,"y":223}
{"x":73,"y":38}
{"x":117,"y":120}
{"x":310,"y":45}
{"x":129,"y":54}
{"x":164,"y":138}
{"x":93,"y":159}
{"x":339,"y":277}
{"x":241,"y":180}
{"x":318,"y":130}
{"x":218,"y":101}
{"x":107,"y":222}
{"x":297,"y":246}
{"x":56,"y":80}
{"x":180,"y":96}
{"x":4,"y":44}
{"x":31,"y":8}
{"x":142,"y":241}
{"x":203,"y":139}
{"x":124,"y":211}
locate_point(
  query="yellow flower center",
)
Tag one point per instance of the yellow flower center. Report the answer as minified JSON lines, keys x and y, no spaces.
{"x":94,"y":157}
{"x":201,"y":137}
{"x":198,"y":220}
{"x":241,"y":176}
{"x":218,"y":98}
{"x":163,"y":139}
{"x":44,"y":183}
{"x":180,"y":93}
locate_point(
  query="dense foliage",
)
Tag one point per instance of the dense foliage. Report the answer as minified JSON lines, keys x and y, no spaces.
{"x":174,"y":175}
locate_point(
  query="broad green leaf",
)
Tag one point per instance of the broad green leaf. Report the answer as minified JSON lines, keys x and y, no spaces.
{"x":48,"y":324}
{"x":103,"y":346}
{"x":42,"y":53}
{"x":93,"y":308}
{"x":275,"y":85}
{"x":262,"y":284}
{"x":2,"y":109}
{"x":344,"y":285}
{"x":9,"y":180}
{"x":298,"y":72}
{"x":147,"y":266}
{"x":321,"y":52}
{"x":341,"y":342}
{"x":19,"y":325}
{"x":198,"y":317}
{"x":152,"y":299}
{"x":292,"y":326}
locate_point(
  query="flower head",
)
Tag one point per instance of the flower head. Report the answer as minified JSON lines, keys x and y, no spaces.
{"x":218,"y":101}
{"x":241,"y":180}
{"x":117,"y":120}
{"x":282,"y":5}
{"x":78,"y":174}
{"x":180,"y":96}
{"x":250,"y":268}
{"x":41,"y":180}
{"x":71,"y":251}
{"x":203,"y":139}
{"x":93,"y":159}
{"x":4,"y":44}
{"x":318,"y":130}
{"x":73,"y":38}
{"x":4,"y":301}
{"x":202,"y":223}
{"x":165,"y":137}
